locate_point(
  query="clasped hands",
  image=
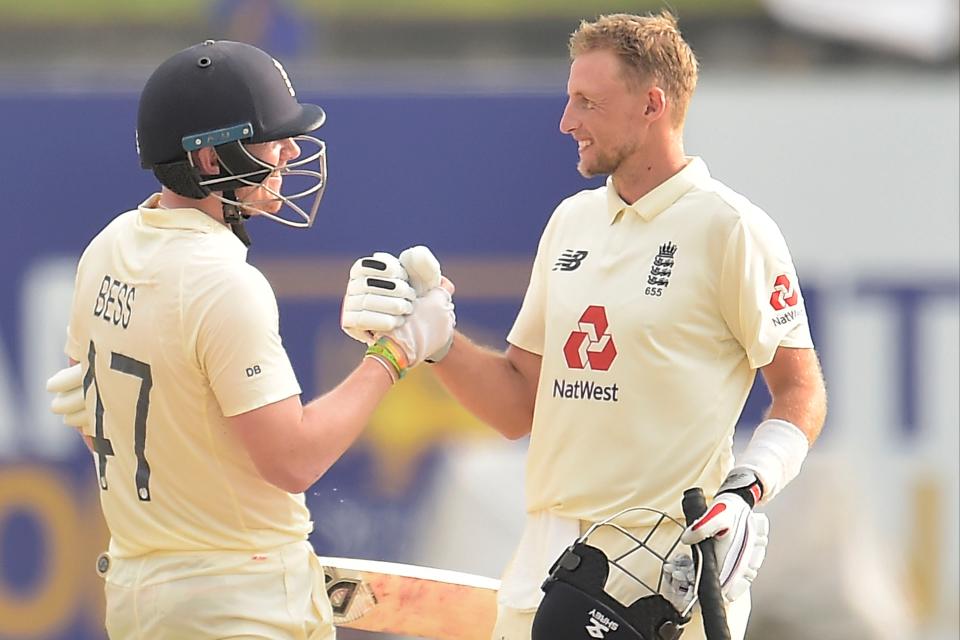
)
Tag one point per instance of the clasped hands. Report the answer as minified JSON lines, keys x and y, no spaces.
{"x":401,"y":307}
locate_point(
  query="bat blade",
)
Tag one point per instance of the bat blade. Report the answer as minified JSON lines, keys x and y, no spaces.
{"x":406,"y":599}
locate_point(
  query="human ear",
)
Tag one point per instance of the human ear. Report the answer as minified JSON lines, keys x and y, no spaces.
{"x":656,"y":103}
{"x":206,"y":161}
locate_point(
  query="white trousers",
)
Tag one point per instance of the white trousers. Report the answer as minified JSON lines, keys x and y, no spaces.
{"x":275,"y":594}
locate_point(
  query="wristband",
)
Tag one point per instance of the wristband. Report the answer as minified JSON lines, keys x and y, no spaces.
{"x":775,"y":454}
{"x":383,"y":362}
{"x":386,"y":350}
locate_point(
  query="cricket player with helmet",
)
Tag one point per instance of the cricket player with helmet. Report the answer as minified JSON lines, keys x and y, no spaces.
{"x":183,"y":390}
{"x":652,"y":303}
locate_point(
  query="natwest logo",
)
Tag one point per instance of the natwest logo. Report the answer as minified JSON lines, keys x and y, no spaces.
{"x":591,"y":346}
{"x":784,"y":294}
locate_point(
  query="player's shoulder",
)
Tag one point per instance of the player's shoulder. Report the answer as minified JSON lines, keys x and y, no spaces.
{"x":118,"y":225}
{"x":110,"y":234}
{"x":251,"y":277}
{"x":731,"y":207}
{"x":214,"y":291}
{"x":233,"y":277}
{"x":585,"y":199}
{"x":581,"y":204}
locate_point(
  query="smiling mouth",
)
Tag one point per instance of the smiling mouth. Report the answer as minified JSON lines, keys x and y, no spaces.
{"x":583,"y":144}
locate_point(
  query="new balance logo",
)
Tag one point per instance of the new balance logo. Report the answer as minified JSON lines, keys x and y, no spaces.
{"x":570,"y":260}
{"x":599,"y":625}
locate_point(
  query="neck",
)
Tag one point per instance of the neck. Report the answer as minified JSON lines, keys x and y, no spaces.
{"x":643,"y":172}
{"x":209,"y":205}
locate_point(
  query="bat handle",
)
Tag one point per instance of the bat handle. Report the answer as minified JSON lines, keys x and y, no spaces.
{"x":711,"y":600}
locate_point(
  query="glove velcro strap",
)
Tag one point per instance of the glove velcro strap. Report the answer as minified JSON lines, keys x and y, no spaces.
{"x":386,"y":350}
{"x":745,"y":484}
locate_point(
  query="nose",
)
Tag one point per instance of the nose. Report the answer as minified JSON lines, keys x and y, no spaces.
{"x":567,"y":122}
{"x":290,"y":151}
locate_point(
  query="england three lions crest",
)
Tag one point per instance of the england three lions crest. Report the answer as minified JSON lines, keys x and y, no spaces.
{"x":661,"y":270}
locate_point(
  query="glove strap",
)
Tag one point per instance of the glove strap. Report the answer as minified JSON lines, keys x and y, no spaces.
{"x":389,"y":352}
{"x":745,"y":484}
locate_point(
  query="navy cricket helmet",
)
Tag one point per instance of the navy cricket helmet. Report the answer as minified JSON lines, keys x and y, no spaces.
{"x":577,"y":606}
{"x":224,"y":95}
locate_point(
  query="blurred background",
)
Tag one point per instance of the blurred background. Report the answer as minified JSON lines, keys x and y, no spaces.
{"x":838,"y":117}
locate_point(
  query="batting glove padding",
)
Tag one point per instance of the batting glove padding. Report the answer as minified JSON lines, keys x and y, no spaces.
{"x":422,"y":267}
{"x":741,"y":537}
{"x":429,"y":328}
{"x":378,"y":297}
{"x":68,"y":402}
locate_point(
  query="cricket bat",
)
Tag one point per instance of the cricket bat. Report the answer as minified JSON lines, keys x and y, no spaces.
{"x":410,"y":600}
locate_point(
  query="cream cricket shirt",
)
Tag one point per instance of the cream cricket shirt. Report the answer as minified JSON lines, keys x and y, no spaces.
{"x":651,"y":319}
{"x":175,"y":331}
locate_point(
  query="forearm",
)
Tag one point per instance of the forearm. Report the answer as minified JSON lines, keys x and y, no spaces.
{"x":780,"y":443}
{"x":798,"y":391}
{"x":802,"y":405}
{"x":489,"y":385}
{"x":332,"y":422}
{"x":292,"y":445}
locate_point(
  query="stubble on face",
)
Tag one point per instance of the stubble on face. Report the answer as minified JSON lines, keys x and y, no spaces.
{"x":605,"y":163}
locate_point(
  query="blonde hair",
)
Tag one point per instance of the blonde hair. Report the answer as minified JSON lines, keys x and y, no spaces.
{"x":649,"y":48}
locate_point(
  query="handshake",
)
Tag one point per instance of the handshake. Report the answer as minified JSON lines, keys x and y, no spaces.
{"x":401,"y":308}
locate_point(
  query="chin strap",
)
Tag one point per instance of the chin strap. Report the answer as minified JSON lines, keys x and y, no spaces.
{"x":233,"y":217}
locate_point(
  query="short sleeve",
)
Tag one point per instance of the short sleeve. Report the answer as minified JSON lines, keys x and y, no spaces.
{"x":760,"y":293}
{"x":529,"y":329}
{"x":238,"y":343}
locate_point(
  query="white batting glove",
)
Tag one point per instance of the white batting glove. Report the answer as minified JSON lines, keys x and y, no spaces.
{"x":378,"y":297}
{"x":429,"y":328}
{"x":68,"y":402}
{"x":423,"y":268}
{"x":741,"y":541}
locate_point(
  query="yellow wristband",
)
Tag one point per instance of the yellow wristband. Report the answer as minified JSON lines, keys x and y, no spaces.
{"x":388,"y":350}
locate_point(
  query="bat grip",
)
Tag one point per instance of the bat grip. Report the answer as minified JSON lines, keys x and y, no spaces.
{"x":711,"y":600}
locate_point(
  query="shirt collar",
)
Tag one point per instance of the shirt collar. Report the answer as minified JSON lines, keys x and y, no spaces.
{"x":187,"y":219}
{"x":662,"y":196}
{"x":153,"y":215}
